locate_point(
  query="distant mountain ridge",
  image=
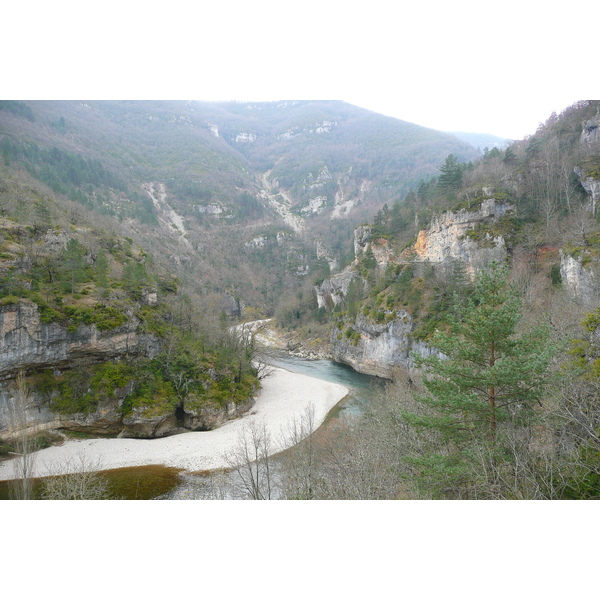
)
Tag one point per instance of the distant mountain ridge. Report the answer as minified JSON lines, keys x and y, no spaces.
{"x":230,"y":173}
{"x":483,"y":140}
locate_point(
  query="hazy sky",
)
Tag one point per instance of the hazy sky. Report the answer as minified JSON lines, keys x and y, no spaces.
{"x":499,"y":68}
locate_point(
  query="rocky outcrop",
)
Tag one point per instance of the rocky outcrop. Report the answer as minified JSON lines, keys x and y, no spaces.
{"x":232,"y":306}
{"x":581,"y":278}
{"x":379,"y":349}
{"x":213,"y":416}
{"x":450,"y":237}
{"x":27,"y":343}
{"x":592,"y":187}
{"x":364,"y":241}
{"x":590,"y":134}
{"x":373,"y":348}
{"x":136,"y":426}
{"x":461,"y":236}
{"x":332,"y":291}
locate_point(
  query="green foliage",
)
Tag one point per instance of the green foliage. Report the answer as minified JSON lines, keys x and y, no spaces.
{"x":103,"y":317}
{"x":101,"y":269}
{"x":81,"y":390}
{"x":586,"y":252}
{"x":507,"y":227}
{"x":152,"y":394}
{"x":489,"y":375}
{"x":585,"y":353}
{"x":18,"y":108}
{"x":356,"y":290}
{"x":135,"y":278}
{"x":555,"y":275}
{"x":353,"y":335}
{"x":6,"y":300}
{"x":451,"y":173}
{"x":75,"y":268}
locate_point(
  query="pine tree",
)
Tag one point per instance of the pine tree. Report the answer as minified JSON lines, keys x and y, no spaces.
{"x":74,"y":265}
{"x":482,"y":389}
{"x":490,"y":373}
{"x":450,"y":173}
{"x":101,"y":269}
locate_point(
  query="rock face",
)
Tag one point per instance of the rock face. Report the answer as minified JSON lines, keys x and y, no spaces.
{"x":382,"y":348}
{"x":28,"y":343}
{"x":379,"y":349}
{"x":233,"y":307}
{"x":375,"y":349}
{"x":581,"y":279}
{"x":333,"y":290}
{"x":450,"y":237}
{"x":592,"y":187}
{"x":446,"y":238}
{"x":212,"y":417}
{"x":590,"y":133}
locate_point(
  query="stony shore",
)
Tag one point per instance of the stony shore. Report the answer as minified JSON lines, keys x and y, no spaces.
{"x":284,"y":396}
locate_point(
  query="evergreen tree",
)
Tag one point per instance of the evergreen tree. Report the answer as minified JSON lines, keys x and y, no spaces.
{"x":74,"y":265}
{"x":490,"y":373}
{"x":490,"y":376}
{"x":41,"y":215}
{"x":101,"y":269}
{"x":451,"y":173}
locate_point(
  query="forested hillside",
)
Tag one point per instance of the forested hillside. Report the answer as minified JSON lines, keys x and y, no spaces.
{"x":234,"y":198}
{"x":134,"y":235}
{"x":477,"y":294}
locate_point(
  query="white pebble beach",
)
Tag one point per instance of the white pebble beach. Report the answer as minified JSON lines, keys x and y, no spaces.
{"x":284,"y":396}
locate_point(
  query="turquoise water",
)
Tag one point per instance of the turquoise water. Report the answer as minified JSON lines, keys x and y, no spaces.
{"x":361,"y":386}
{"x":220,"y":485}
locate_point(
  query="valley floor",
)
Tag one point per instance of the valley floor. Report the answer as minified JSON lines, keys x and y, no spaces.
{"x":284,"y":396}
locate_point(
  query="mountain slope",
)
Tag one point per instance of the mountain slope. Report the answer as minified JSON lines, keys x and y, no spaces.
{"x":248,"y":192}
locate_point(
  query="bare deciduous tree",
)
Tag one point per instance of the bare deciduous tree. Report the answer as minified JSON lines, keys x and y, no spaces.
{"x":299,"y":464}
{"x":251,"y":461}
{"x":84,"y":483}
{"x":26,"y":442}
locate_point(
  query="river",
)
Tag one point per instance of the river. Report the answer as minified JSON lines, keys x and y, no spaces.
{"x":361,"y":386}
{"x":128,"y":481}
{"x":221,"y":485}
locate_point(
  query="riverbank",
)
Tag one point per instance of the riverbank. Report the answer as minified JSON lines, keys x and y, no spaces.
{"x":284,"y":396}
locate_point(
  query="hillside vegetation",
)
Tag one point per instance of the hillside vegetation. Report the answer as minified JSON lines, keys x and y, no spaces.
{"x":487,"y":274}
{"x":198,"y":184}
{"x":134,"y":235}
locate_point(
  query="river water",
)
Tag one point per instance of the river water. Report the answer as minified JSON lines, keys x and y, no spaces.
{"x":361,"y":386}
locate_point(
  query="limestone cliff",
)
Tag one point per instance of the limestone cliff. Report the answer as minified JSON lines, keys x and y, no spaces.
{"x":373,"y":348}
{"x":580,"y":265}
{"x":379,"y":349}
{"x":35,"y":348}
{"x":379,"y":346}
{"x":461,"y":236}
{"x":333,"y":290}
{"x":581,"y":277}
{"x":27,"y":343}
{"x":592,"y":187}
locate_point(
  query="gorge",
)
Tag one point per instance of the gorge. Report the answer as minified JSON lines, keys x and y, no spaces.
{"x":136,"y":237}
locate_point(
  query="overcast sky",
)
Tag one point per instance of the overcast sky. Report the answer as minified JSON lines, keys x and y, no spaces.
{"x":499,"y":68}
